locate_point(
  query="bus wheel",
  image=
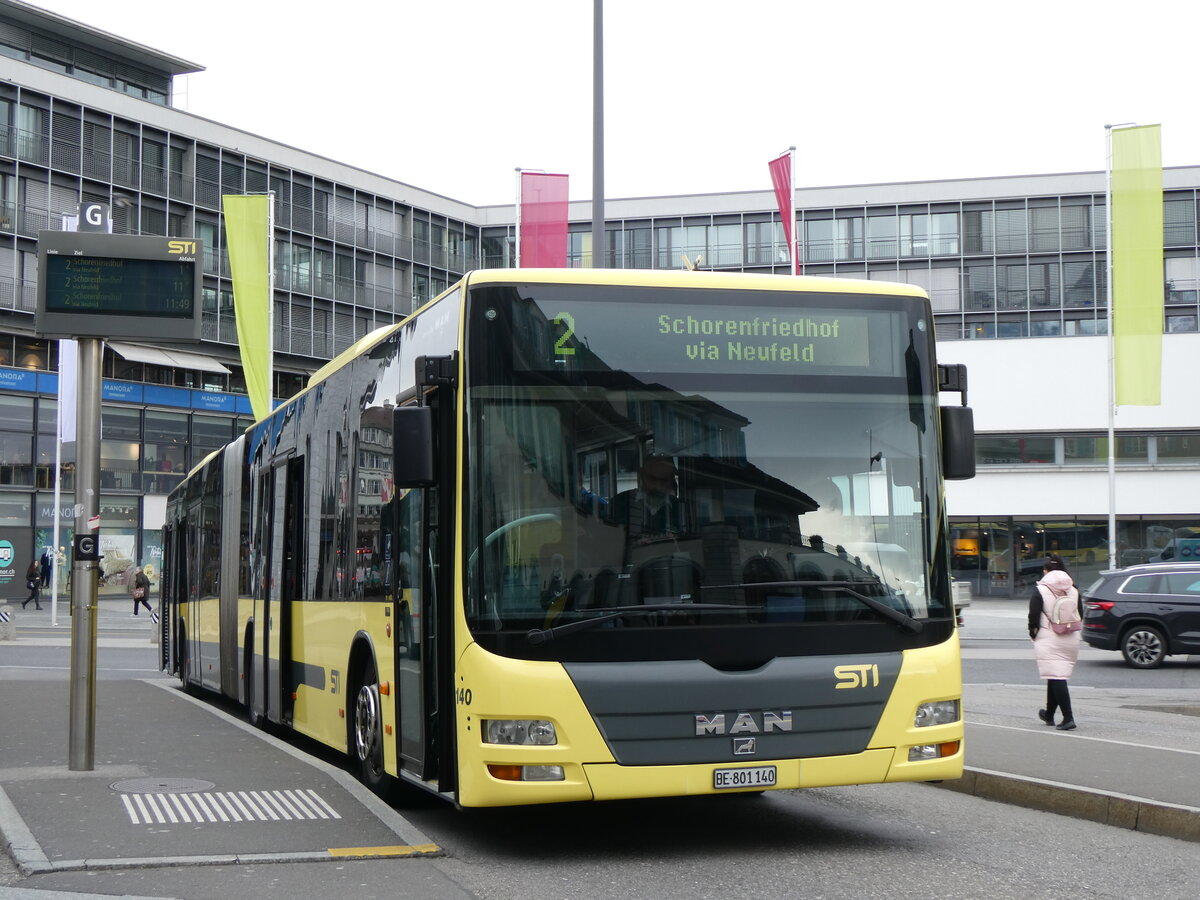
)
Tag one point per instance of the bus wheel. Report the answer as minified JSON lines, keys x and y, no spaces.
{"x":366,"y":732}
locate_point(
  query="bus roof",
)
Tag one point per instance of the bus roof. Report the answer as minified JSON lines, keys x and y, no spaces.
{"x":676,"y":278}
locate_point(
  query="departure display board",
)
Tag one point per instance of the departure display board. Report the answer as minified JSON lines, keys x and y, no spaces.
{"x":118,"y":286}
{"x":673,"y":332}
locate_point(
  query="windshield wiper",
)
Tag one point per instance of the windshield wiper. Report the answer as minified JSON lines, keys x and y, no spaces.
{"x":608,"y":613}
{"x":906,"y":622}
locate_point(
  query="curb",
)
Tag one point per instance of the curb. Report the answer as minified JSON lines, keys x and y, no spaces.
{"x":1105,"y":807}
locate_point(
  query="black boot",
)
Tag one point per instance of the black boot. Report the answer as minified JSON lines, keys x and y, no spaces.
{"x":1063,"y":696}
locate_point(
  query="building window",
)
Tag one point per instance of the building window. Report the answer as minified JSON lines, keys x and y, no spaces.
{"x":1076,"y":227}
{"x":1179,"y":222}
{"x":1079,"y":284}
{"x":882,"y":237}
{"x":1183,"y":279}
{"x":979,"y":287}
{"x":993,"y":450}
{"x":818,"y":241}
{"x":1178,"y":448}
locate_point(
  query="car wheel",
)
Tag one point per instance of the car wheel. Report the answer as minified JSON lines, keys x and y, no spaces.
{"x":1144,"y":647}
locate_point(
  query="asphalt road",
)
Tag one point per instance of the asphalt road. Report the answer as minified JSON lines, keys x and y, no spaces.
{"x":864,"y":842}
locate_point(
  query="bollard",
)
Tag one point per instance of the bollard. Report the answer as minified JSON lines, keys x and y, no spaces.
{"x":155,"y":631}
{"x":8,"y":627}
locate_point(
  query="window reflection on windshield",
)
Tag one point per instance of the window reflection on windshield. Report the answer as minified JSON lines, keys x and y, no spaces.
{"x":597,"y":497}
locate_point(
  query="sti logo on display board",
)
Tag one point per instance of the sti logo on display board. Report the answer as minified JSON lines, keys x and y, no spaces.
{"x":108,"y":285}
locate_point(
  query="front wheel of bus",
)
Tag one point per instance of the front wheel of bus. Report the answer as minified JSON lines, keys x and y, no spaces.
{"x":366,"y":733}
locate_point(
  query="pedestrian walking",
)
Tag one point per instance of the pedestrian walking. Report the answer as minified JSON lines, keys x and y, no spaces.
{"x":1055,"y":615}
{"x":139,"y":587}
{"x":33,"y":581}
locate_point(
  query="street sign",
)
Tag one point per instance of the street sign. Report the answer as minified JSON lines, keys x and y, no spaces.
{"x":93,"y":284}
{"x":87,"y":547}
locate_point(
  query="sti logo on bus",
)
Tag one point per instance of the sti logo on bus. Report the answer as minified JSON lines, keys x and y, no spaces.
{"x":178,"y":247}
{"x":744,"y":723}
{"x":856,"y":676}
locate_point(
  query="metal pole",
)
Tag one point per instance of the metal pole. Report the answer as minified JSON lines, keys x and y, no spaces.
{"x":1113,"y":560}
{"x":517,"y":204}
{"x":54,"y":564}
{"x":598,"y":134}
{"x":795,"y":248}
{"x":1112,"y":359}
{"x":85,"y":572}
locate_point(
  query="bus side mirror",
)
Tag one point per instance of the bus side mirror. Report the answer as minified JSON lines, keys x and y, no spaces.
{"x":412,"y":446}
{"x":958,"y":443}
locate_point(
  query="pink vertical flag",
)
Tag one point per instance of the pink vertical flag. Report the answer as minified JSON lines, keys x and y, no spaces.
{"x":781,"y":178}
{"x":543,"y":221}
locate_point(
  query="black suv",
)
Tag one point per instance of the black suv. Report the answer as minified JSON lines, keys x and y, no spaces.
{"x":1147,"y":612}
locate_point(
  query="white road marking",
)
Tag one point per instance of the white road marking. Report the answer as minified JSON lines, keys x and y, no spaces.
{"x":234,"y":806}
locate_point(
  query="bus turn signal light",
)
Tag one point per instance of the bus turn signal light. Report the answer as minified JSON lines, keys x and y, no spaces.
{"x":505,"y":773}
{"x":526,"y":773}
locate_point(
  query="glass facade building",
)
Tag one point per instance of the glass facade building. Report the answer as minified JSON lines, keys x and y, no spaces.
{"x":89,"y":120}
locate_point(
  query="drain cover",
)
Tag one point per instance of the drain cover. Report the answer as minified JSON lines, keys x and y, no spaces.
{"x":161,"y":785}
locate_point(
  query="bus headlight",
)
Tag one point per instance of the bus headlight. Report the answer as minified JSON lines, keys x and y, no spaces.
{"x":937,"y":712}
{"x":520,"y":731}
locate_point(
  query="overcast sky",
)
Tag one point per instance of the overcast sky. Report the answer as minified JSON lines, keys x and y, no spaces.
{"x":699,"y":94}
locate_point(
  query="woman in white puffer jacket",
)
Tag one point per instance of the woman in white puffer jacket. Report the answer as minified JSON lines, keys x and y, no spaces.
{"x":1055,"y":653}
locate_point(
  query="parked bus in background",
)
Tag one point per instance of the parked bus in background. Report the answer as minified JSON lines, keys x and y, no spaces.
{"x":575,"y":534}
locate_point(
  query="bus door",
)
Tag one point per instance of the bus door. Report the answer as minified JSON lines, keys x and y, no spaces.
{"x":230,"y":583}
{"x":424,"y":548}
{"x":284,"y":579}
{"x":170,"y":580}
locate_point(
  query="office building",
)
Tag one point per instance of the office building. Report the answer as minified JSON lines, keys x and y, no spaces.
{"x":1015,"y":267}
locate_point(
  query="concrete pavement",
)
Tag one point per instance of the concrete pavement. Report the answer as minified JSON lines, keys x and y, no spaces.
{"x":200,"y":788}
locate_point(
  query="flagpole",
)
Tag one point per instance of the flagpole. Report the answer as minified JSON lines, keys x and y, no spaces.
{"x":1112,"y":350}
{"x":795,"y":248}
{"x":270,"y":300}
{"x":517,"y":263}
{"x":1112,"y":356}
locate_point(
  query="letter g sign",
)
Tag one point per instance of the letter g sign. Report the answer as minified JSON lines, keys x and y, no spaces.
{"x":94,"y":217}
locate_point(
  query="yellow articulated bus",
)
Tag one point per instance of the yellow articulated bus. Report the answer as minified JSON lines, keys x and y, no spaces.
{"x":566,"y":534}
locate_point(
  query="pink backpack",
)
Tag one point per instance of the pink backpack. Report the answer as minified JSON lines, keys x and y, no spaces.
{"x":1064,"y":615}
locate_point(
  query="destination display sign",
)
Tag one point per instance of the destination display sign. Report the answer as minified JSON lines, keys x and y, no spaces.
{"x":110,"y":286}
{"x":679,"y":337}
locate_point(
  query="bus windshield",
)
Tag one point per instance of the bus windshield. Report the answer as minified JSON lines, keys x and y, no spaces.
{"x":728,"y":477}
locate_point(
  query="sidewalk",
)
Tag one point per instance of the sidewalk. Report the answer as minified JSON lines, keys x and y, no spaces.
{"x":181,"y":787}
{"x":1131,"y":764}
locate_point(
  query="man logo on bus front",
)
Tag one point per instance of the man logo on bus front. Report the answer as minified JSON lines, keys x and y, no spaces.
{"x":744,"y":723}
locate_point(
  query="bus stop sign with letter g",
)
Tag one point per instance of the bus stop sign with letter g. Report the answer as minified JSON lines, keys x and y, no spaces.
{"x":87,"y":547}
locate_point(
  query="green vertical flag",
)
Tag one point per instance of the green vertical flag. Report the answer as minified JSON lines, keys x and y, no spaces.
{"x":1137,"y":264}
{"x":248,"y":237}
